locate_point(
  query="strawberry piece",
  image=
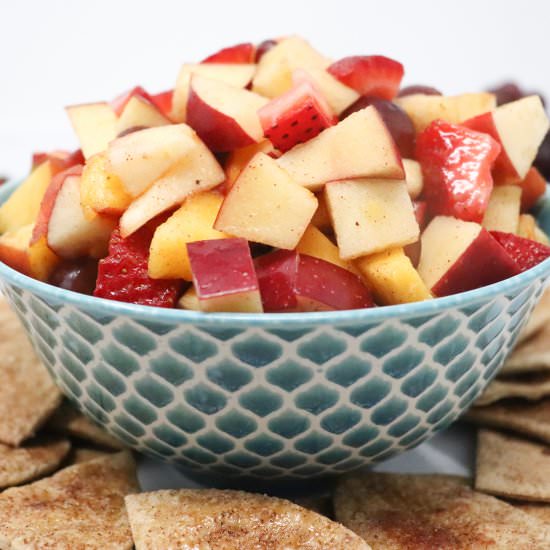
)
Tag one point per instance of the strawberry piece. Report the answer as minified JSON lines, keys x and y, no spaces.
{"x":295,"y":117}
{"x":525,"y":252}
{"x":373,"y":75}
{"x":240,"y":53}
{"x":533,"y":187}
{"x":163,"y":102}
{"x":456,"y":165}
{"x":120,"y":101}
{"x":123,"y":274}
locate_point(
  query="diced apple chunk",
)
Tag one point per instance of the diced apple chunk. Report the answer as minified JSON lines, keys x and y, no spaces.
{"x":502,"y":212}
{"x":140,"y":158}
{"x":458,"y":256}
{"x":237,"y":160}
{"x":140,"y":112}
{"x":94,"y":125}
{"x":369,"y":216}
{"x":223,"y":276}
{"x":274,"y":74}
{"x":297,"y":282}
{"x":23,"y":205}
{"x":36,"y":260}
{"x":199,"y":172}
{"x":424,"y":109}
{"x":62,"y":222}
{"x":235,"y":74}
{"x":392,"y":278}
{"x":100,"y":191}
{"x":193,"y":221}
{"x":338,"y":95}
{"x":358,"y":147}
{"x":225,"y":117}
{"x":265,"y":205}
{"x":413,"y":177}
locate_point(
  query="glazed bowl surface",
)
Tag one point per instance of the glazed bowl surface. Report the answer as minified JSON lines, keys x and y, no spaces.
{"x":274,"y":396}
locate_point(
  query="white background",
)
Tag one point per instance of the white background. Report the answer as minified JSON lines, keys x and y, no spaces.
{"x":57,"y":52}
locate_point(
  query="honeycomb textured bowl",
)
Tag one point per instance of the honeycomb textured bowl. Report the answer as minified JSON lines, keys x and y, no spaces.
{"x":274,"y":396}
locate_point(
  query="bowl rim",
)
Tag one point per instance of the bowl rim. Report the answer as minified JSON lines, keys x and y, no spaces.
{"x":105,"y":307}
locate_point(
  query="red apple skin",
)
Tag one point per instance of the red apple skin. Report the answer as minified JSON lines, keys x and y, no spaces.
{"x":533,"y":187}
{"x":120,"y":101}
{"x":222,"y":266}
{"x":163,"y":102}
{"x":330,"y":285}
{"x":60,"y":160}
{"x":503,"y":169}
{"x":240,"y":53}
{"x":297,"y":282}
{"x":48,"y":202}
{"x":276,"y":274}
{"x":484,"y":262}
{"x":16,"y":258}
{"x":220,"y":132}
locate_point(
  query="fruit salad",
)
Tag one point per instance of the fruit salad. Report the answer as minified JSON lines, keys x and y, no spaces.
{"x":275,"y":179}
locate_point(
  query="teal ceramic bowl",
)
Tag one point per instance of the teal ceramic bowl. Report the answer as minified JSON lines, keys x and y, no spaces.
{"x":274,"y":396}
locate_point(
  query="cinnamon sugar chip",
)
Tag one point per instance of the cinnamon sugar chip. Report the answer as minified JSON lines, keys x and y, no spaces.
{"x":532,"y":386}
{"x":539,"y":318}
{"x":68,"y":421}
{"x":27,"y":393}
{"x":427,"y":512}
{"x":531,"y":356}
{"x":511,"y":467}
{"x":80,"y":507}
{"x":522,"y":417}
{"x":230,"y":520}
{"x":539,"y":510}
{"x":38,"y":458}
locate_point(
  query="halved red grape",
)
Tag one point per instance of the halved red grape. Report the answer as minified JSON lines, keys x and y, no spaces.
{"x":77,"y":275}
{"x":542,"y":162}
{"x":396,"y":119}
{"x":418,"y":89}
{"x":507,"y":92}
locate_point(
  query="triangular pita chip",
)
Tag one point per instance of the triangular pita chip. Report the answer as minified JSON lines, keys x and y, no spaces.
{"x":80,"y":507}
{"x":27,"y":393}
{"x":539,"y":318}
{"x":427,"y":512}
{"x":531,"y":356}
{"x":522,"y":417}
{"x":533,"y":386}
{"x":539,"y":510}
{"x":512,"y":468}
{"x":38,"y":458}
{"x":230,"y":520}
{"x":68,"y":421}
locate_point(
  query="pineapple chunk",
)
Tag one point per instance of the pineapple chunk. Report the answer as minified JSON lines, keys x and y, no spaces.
{"x":392,"y":278}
